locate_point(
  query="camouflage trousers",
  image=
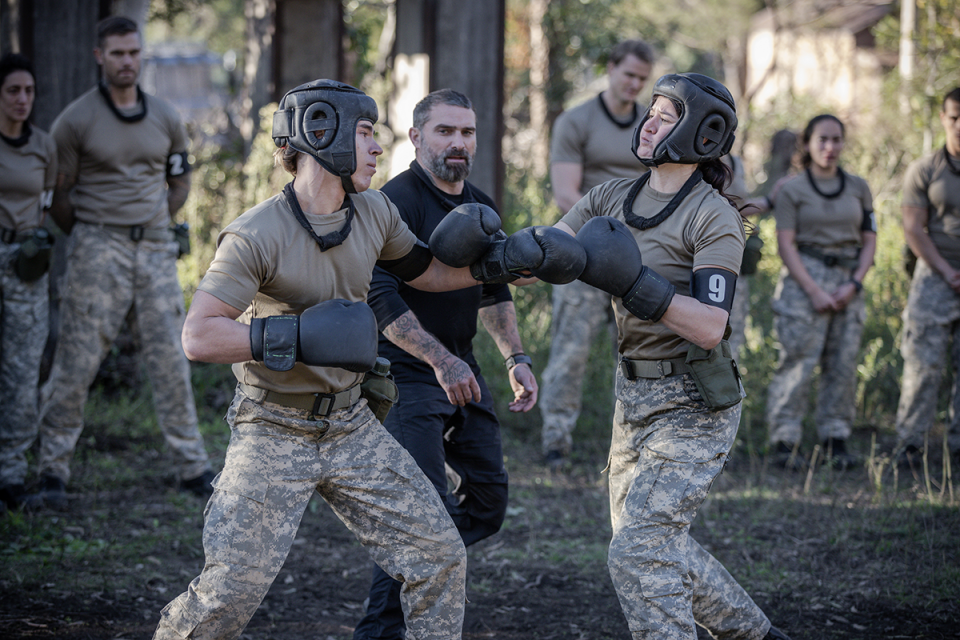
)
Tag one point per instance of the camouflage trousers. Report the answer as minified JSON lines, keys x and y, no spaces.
{"x":276,"y":459}
{"x":738,"y":315}
{"x":23,"y":334}
{"x":666,"y":450}
{"x":931,"y":329}
{"x":579,"y":311}
{"x":109,"y":278}
{"x":809,"y":339}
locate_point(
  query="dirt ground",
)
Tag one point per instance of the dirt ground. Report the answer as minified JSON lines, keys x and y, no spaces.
{"x":823,"y":563}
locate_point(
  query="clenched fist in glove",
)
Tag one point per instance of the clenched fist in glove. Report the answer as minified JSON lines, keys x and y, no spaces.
{"x":547,"y":253}
{"x":465,"y":234}
{"x":470,"y":236}
{"x":614,"y":265}
{"x":334,"y":333}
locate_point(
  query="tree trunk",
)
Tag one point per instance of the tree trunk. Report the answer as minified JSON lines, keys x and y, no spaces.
{"x":539,"y":72}
{"x":258,"y":85}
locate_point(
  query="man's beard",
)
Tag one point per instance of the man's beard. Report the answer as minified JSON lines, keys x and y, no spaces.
{"x":437,"y":164}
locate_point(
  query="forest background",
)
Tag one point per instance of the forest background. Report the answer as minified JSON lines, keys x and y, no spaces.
{"x":873,"y":552}
{"x":575,"y":36}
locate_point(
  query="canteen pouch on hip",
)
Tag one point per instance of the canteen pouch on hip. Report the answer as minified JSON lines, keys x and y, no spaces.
{"x":33,"y":257}
{"x":751,"y":255}
{"x":379,"y":389}
{"x":716,"y":375}
{"x":181,"y":233}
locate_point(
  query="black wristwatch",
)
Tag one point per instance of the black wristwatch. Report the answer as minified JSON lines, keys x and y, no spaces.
{"x":857,"y":284}
{"x":517,"y":358}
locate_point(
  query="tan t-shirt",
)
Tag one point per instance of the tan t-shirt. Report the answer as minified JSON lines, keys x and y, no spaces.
{"x":25,"y":173}
{"x":930,"y":184}
{"x":588,"y":136}
{"x":267,"y":264}
{"x":704,"y":230}
{"x":825,"y":222}
{"x":120,"y":167}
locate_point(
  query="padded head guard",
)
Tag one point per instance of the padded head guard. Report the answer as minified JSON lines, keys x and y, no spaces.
{"x":708,"y":119}
{"x":320,"y":119}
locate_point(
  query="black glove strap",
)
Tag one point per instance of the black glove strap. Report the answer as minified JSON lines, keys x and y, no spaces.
{"x":273,"y":341}
{"x":491,"y":268}
{"x":650,"y":296}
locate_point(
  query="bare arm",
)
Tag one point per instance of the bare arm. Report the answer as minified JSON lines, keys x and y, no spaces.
{"x":61,"y":210}
{"x":453,"y":374}
{"x":440,"y":277}
{"x":787,"y":247}
{"x":566,"y":178}
{"x":178,"y":188}
{"x":692,"y":320}
{"x":915,"y":230}
{"x":500,"y":321}
{"x":211,"y":332}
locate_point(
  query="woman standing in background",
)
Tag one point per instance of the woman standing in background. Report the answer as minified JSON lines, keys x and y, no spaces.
{"x":826,"y":236}
{"x":28,"y":173}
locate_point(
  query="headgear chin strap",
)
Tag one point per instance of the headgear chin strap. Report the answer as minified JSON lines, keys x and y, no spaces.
{"x":708,"y":120}
{"x":320,"y":119}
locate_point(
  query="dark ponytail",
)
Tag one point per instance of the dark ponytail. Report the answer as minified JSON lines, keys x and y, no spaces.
{"x":718,"y":175}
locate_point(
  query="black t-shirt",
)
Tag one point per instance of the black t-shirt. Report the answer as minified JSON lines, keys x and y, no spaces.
{"x":450,"y":316}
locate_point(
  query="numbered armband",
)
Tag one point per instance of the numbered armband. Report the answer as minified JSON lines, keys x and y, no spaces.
{"x":178,"y":164}
{"x":714,"y":287}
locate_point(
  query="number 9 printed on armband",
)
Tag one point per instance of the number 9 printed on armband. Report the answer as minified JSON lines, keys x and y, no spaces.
{"x":714,"y":287}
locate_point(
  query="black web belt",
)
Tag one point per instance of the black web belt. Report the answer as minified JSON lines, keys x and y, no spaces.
{"x":11,"y":236}
{"x":653,"y":369}
{"x":828,"y":259}
{"x":318,"y":404}
{"x":138,"y":233}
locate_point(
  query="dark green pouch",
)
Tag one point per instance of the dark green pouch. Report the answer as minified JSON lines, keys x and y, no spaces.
{"x":909,"y":260}
{"x":33,"y":256}
{"x":181,"y":233}
{"x":716,"y":374}
{"x":379,"y":389}
{"x":751,"y":255}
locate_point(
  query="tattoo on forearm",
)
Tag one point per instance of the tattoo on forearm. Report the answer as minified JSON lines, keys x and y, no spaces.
{"x":407,"y":333}
{"x":500,"y":321}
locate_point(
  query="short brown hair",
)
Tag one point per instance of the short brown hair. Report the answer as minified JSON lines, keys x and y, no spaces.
{"x":637,"y":48}
{"x":114,"y":26}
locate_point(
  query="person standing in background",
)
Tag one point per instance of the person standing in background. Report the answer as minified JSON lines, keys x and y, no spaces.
{"x":28,"y":173}
{"x":826,"y":236}
{"x":588,"y":147}
{"x":123,"y":172}
{"x":931,"y":319}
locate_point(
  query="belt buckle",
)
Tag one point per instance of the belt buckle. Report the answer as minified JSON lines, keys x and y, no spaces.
{"x":9,"y":235}
{"x":323,"y":404}
{"x":136,"y":233}
{"x":627,"y":370}
{"x":831,"y":261}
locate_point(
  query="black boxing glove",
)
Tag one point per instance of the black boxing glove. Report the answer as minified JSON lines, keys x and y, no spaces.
{"x":465,"y":234}
{"x":545,"y":252}
{"x":334,"y":333}
{"x":614,"y":265}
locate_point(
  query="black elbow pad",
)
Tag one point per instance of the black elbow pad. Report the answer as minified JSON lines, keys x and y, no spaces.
{"x":411,"y":266}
